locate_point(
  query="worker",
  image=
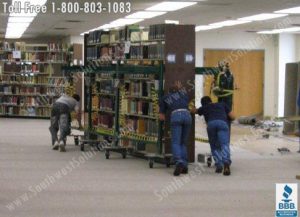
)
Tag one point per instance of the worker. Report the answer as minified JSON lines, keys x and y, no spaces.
{"x":216,"y":116}
{"x":225,"y":84}
{"x":61,"y":119}
{"x":176,"y":102}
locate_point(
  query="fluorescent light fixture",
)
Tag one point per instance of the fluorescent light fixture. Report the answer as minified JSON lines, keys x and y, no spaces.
{"x":145,"y":14}
{"x":124,"y":22}
{"x":13,"y":36}
{"x":22,"y":14}
{"x":38,"y":2}
{"x":206,"y":27}
{"x":292,"y":29}
{"x":172,"y":22}
{"x":295,"y":10}
{"x":106,"y":26}
{"x":230,"y":23}
{"x":264,"y":16}
{"x":31,"y":2}
{"x":14,"y":32}
{"x":170,"y":6}
{"x":20,"y":19}
{"x":277,"y":31}
{"x":17,"y":25}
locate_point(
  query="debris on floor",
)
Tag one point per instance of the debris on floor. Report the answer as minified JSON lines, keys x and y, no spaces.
{"x":284,"y":150}
{"x":247,"y":120}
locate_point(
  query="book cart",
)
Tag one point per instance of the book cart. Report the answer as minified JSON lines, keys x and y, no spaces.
{"x":122,"y":87}
{"x":123,"y":110}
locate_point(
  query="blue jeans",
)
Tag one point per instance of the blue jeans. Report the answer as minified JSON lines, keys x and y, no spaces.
{"x":219,"y":135}
{"x":181,"y":123}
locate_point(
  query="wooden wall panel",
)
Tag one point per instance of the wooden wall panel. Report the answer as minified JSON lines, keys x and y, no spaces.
{"x":248,"y":71}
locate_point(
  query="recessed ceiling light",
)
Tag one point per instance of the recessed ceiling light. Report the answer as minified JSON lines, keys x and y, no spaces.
{"x":20,"y":19}
{"x":206,"y":27}
{"x":145,"y":14}
{"x":170,"y":6}
{"x":264,"y":16}
{"x":230,"y":23}
{"x":295,"y":10}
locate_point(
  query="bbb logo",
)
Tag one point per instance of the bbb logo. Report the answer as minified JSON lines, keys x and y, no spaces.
{"x":287,"y":204}
{"x":287,"y":200}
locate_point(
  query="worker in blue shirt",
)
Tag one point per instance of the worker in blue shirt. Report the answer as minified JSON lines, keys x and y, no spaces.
{"x":177,"y":102}
{"x":216,"y":116}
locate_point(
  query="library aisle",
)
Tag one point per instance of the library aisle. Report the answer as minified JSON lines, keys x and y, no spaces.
{"x":47,"y":183}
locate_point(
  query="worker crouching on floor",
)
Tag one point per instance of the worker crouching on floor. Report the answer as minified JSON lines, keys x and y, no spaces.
{"x":61,"y":119}
{"x":176,"y":102}
{"x":216,"y":116}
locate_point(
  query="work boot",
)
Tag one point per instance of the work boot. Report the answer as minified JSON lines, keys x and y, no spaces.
{"x":178,"y":170}
{"x":219,"y":170}
{"x":226,"y":171}
{"x":55,"y":146}
{"x":62,"y":148}
{"x":185,"y":170}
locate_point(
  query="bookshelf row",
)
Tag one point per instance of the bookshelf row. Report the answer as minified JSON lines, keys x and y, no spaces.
{"x":31,"y":78}
{"x":24,"y":111}
{"x":35,"y":57}
{"x":25,"y":47}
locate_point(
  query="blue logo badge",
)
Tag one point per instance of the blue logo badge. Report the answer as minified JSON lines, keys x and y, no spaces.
{"x":286,"y":200}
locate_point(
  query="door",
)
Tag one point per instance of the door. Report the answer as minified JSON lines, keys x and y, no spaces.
{"x":248,"y":71}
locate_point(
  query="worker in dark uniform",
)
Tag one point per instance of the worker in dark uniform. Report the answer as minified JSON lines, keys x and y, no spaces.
{"x":177,"y":103}
{"x":61,"y":119}
{"x":225,"y":83}
{"x":216,"y":116}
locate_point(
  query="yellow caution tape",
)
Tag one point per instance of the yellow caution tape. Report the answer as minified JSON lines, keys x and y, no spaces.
{"x":202,"y":140}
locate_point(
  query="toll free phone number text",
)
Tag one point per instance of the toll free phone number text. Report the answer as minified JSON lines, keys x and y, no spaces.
{"x":68,"y":7}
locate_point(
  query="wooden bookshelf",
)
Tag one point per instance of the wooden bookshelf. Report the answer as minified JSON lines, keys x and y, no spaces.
{"x":32,"y":81}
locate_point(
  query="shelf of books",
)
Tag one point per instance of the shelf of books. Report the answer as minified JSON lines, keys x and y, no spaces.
{"x":30,"y":78}
{"x":104,"y":97}
{"x":172,"y":46}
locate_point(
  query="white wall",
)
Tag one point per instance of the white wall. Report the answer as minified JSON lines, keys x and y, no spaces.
{"x":75,"y":40}
{"x":298,"y":48}
{"x":287,"y":54}
{"x":243,"y":40}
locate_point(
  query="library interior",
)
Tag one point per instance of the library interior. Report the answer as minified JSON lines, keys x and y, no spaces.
{"x":114,"y":108}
